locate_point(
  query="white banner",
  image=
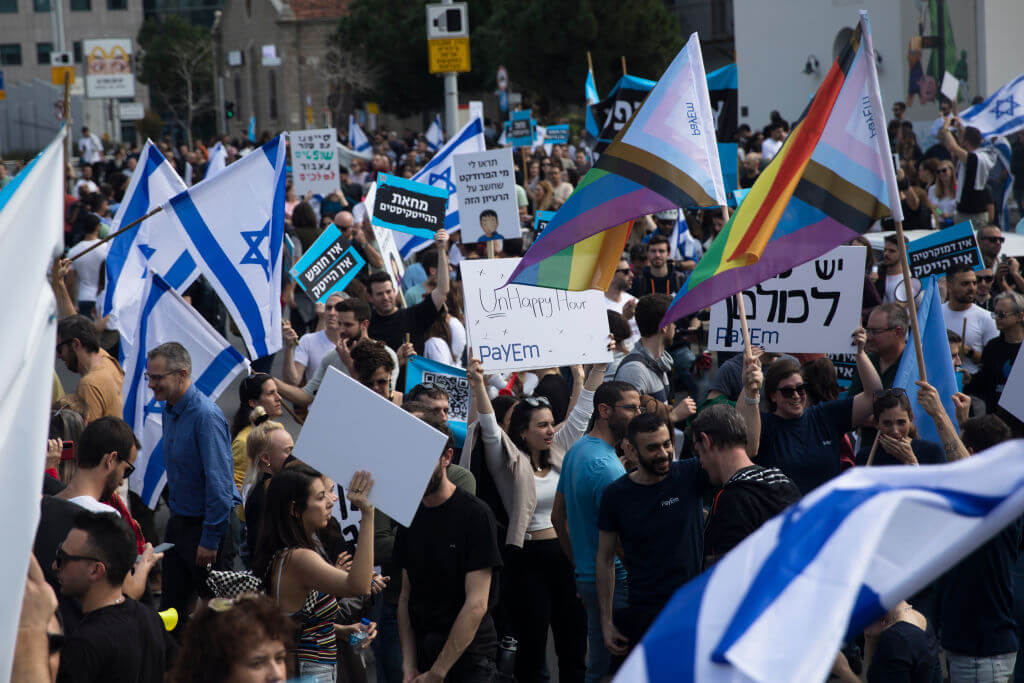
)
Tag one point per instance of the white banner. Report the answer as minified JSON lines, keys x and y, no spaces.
{"x":523,"y":328}
{"x":1012,"y":398}
{"x":487,"y":195}
{"x":314,"y":161}
{"x":812,"y":308}
{"x":109,"y":71}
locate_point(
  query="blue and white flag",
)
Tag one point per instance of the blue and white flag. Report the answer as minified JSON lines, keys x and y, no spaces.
{"x":421,"y":370}
{"x":252,"y":128}
{"x":218,"y":161}
{"x":439,"y":172}
{"x":233,"y":227}
{"x":166,"y":317}
{"x":1001,"y":114}
{"x":357,"y":139}
{"x":1005,"y":153}
{"x":777,"y":606}
{"x":31,"y":232}
{"x":685,"y":247}
{"x":435,"y":134}
{"x":938,"y":364}
{"x":590,"y":89}
{"x":152,"y":245}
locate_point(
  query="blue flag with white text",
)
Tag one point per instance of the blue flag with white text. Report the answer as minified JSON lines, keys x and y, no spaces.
{"x":422,"y":370}
{"x":166,"y":317}
{"x":233,"y":227}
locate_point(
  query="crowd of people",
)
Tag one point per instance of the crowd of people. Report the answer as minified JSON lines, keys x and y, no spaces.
{"x":579,"y":501}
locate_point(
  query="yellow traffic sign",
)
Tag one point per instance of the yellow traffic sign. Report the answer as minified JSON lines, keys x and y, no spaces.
{"x":57,"y":74}
{"x":448,"y":55}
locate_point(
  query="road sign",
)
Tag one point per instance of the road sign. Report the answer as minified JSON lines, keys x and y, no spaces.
{"x":448,"y":21}
{"x":447,"y":55}
{"x":131,"y":111}
{"x":57,"y":74}
{"x":502,"y":78}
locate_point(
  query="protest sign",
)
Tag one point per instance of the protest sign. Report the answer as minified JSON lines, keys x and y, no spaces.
{"x":386,"y":245}
{"x":520,"y":130}
{"x":421,"y":370}
{"x":812,"y":308}
{"x":557,"y":135}
{"x":846,"y":368}
{"x":405,"y":205}
{"x":329,"y":265}
{"x":540,"y":221}
{"x":1012,"y":399}
{"x":314,"y":161}
{"x":400,"y":452}
{"x":486,"y":183}
{"x":519,"y":327}
{"x":934,"y":254}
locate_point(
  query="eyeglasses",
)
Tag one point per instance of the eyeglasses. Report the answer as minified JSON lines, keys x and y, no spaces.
{"x":156,"y":376}
{"x":894,"y":391}
{"x":790,"y":392}
{"x":872,"y":331}
{"x":63,"y":558}
{"x":632,"y":408}
{"x":994,"y":239}
{"x":944,"y":170}
{"x":1004,"y":314}
{"x":986,"y":278}
{"x":537,"y":401}
{"x":131,"y":468}
{"x":623,"y":271}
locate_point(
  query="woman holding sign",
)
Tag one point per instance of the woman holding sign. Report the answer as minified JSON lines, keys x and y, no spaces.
{"x":519,"y":483}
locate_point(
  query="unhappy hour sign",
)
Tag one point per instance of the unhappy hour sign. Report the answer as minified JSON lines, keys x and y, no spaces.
{"x":416,"y":208}
{"x":328,"y":266}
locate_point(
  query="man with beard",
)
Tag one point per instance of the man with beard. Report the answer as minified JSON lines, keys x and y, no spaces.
{"x":588,"y":468}
{"x":105,"y":456}
{"x":78,"y":345}
{"x":655,"y":513}
{"x":660,"y":276}
{"x":889,"y":274}
{"x":449,"y":559}
{"x":963,"y":315}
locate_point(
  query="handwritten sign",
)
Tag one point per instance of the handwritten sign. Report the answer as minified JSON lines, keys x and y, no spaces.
{"x":521,"y":129}
{"x":487,"y":196}
{"x":932,"y":255}
{"x":405,"y":205}
{"x":541,"y":220}
{"x":812,"y":308}
{"x":329,"y":265}
{"x":314,"y":161}
{"x":557,"y":135}
{"x":522,"y":328}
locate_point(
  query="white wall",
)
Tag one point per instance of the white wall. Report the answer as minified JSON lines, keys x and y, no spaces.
{"x":999,"y":37}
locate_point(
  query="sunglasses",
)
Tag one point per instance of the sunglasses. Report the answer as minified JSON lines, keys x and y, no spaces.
{"x":623,"y":271}
{"x":895,"y":391}
{"x":339,"y":307}
{"x":994,"y":239}
{"x":790,"y":392}
{"x":63,"y":558}
{"x":535,"y":402}
{"x":131,"y":468}
{"x":986,"y":278}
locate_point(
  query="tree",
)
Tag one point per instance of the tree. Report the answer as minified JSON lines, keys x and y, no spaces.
{"x":177,"y":65}
{"x":347,"y":73}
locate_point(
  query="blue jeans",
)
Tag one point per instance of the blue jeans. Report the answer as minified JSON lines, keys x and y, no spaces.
{"x":968,"y":669}
{"x":598,"y":657}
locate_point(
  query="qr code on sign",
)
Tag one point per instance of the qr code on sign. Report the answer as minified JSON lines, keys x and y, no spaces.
{"x":458,"y":393}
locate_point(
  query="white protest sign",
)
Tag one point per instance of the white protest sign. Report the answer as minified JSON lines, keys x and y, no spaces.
{"x":351,"y":428}
{"x":314,"y":161}
{"x":1012,"y":399}
{"x":950,"y":86}
{"x":487,"y":196}
{"x":812,"y":308}
{"x":523,"y":328}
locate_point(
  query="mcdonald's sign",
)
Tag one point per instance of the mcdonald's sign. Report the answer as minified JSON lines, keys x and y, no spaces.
{"x":108,"y":68}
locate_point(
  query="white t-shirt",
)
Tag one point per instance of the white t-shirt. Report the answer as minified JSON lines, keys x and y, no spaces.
{"x":312,"y":348}
{"x":617,"y":306}
{"x":437,"y":349}
{"x":458,"y":331}
{"x":981,"y":329}
{"x":770,"y":147}
{"x":891,"y":283}
{"x":90,"y":149}
{"x":546,"y":487}
{"x":947,"y":205}
{"x":92,"y":505}
{"x":87,"y":268}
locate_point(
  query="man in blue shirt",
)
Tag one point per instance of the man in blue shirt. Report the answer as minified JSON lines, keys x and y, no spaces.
{"x":587,"y":470}
{"x":200,"y":475}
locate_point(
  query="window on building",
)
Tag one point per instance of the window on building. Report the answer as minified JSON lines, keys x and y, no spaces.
{"x":41,"y":5}
{"x":8,"y":6}
{"x":117,"y":4}
{"x":81,"y":5}
{"x":10,"y":54}
{"x":43,"y":51}
{"x":272,"y":86}
{"x":76,"y":47}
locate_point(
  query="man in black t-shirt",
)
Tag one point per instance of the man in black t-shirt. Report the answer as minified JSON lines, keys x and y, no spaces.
{"x":655,"y":512}
{"x":118,"y":638}
{"x":389,"y":323}
{"x":449,"y":559}
{"x":999,"y":354}
{"x":750,"y":495}
{"x":973,"y":197}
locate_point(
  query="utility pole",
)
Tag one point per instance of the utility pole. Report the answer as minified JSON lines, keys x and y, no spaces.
{"x":451,"y":97}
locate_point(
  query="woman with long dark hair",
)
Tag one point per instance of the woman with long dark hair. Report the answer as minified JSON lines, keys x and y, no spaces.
{"x":256,"y":390}
{"x":290,"y":559}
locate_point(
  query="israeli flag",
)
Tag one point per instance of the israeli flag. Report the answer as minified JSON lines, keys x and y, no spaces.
{"x":166,"y":317}
{"x":435,"y":134}
{"x":777,"y":606}
{"x":218,"y":161}
{"x":438,"y":172}
{"x":685,"y":247}
{"x":1001,"y":114}
{"x":357,"y":139}
{"x":233,"y":227}
{"x":152,"y":245}
{"x":1004,"y":153}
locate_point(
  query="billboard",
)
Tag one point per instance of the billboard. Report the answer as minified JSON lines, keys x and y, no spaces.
{"x":108,"y":70}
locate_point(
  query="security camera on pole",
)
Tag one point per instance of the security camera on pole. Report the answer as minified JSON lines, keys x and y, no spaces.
{"x":448,"y":51}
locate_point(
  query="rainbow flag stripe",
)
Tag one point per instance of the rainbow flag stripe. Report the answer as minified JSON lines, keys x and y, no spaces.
{"x":829,"y":183}
{"x":589,"y":264}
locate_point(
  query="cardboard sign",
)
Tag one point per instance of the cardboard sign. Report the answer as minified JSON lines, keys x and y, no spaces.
{"x":557,"y":135}
{"x":416,"y":208}
{"x":812,"y":308}
{"x":401,"y":453}
{"x":328,"y":266}
{"x":1012,"y":399}
{"x":487,"y":196}
{"x":932,"y":255}
{"x":541,"y":220}
{"x":522,"y":328}
{"x":521,"y":129}
{"x":314,"y":161}
{"x":950,"y":86}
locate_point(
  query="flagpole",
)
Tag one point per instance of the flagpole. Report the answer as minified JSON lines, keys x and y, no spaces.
{"x":590,"y":64}
{"x":623,"y":65}
{"x":911,"y":303}
{"x":115,"y":234}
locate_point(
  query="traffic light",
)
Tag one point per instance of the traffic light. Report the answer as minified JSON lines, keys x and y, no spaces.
{"x":229,"y":109}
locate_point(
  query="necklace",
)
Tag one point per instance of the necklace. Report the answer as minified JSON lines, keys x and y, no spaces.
{"x":890,"y":620}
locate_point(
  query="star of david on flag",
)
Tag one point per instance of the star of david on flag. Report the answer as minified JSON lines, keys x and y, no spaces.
{"x":254,"y":254}
{"x":1001,"y":114}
